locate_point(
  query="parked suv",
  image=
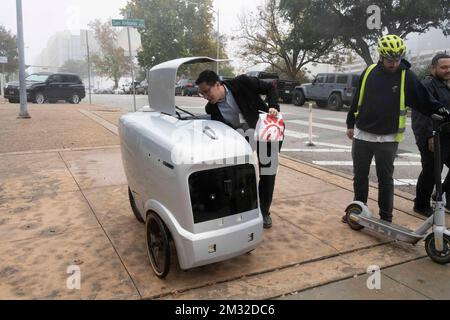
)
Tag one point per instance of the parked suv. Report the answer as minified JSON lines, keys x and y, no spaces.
{"x":48,"y":87}
{"x":284,"y":88}
{"x":328,"y":90}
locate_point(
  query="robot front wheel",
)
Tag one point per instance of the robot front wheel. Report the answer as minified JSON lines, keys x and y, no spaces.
{"x":355,"y":210}
{"x":441,"y":257}
{"x":158,"y":246}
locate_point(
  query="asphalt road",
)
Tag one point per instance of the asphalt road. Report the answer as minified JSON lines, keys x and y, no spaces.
{"x":332,"y":147}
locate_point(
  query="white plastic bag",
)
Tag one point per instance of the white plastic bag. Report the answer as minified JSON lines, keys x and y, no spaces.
{"x":270,"y":128}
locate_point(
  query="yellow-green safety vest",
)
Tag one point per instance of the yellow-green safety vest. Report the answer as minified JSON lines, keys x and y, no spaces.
{"x":402,"y":120}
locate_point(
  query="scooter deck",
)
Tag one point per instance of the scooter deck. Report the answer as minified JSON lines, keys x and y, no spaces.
{"x":389,"y":229}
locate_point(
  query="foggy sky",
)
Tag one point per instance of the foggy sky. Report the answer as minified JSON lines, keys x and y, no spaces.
{"x":43,"y":18}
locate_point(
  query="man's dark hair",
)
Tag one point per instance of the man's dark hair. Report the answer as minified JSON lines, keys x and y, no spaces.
{"x":208,"y":76}
{"x":438,"y":57}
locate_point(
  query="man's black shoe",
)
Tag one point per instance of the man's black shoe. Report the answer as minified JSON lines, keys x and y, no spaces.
{"x":267,"y":222}
{"x":386,"y":219}
{"x":426,"y":211}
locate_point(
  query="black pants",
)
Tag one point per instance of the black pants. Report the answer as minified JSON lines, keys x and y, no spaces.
{"x":363,"y":153}
{"x":425,"y":183}
{"x":268,"y":165}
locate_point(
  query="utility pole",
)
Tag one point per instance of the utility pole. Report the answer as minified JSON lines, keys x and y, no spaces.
{"x":20,"y":45}
{"x":218,"y":41}
{"x":89,"y":66}
{"x":132,"y":71}
{"x":2,"y":80}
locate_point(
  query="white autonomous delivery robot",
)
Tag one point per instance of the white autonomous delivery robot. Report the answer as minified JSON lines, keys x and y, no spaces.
{"x":191,"y":180}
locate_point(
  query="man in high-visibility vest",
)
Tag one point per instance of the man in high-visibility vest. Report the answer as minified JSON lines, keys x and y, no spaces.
{"x":376,"y":121}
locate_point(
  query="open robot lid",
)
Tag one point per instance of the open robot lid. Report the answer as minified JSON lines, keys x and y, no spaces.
{"x":162,"y":78}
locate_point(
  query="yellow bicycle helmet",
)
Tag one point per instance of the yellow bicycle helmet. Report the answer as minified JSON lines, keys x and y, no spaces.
{"x":391,"y":46}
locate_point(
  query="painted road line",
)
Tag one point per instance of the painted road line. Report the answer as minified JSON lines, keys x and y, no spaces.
{"x":318,"y":150}
{"x":411,"y":155}
{"x":334,"y":120}
{"x":298,"y":135}
{"x":408,"y":122}
{"x":318,"y":125}
{"x":350,"y":163}
{"x":339,"y":146}
{"x":405,"y":182}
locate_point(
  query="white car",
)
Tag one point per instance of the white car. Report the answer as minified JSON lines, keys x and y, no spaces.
{"x":118,"y":91}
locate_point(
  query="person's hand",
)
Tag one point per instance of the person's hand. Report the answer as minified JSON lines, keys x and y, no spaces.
{"x":273,"y":112}
{"x":444,"y":112}
{"x":431,"y":144}
{"x":350,"y":133}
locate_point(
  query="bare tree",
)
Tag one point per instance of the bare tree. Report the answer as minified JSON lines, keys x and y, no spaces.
{"x":287,"y":46}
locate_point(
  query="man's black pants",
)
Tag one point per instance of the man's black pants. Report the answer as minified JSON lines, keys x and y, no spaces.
{"x":268,"y":165}
{"x":384,"y":152}
{"x":425,"y":183}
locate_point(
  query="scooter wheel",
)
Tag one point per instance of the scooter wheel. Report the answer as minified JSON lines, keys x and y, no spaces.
{"x":441,"y":257}
{"x":158,"y":246}
{"x":355,"y":210}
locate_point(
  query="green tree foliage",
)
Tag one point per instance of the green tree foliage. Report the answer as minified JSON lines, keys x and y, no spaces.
{"x":175,"y":29}
{"x":8,"y":48}
{"x":287,"y":45}
{"x":111,"y":61}
{"x":347,"y":20}
{"x":79,"y":67}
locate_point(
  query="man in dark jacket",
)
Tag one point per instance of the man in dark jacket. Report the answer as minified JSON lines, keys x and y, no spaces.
{"x":376,"y":121}
{"x":237,"y":103}
{"x":437,"y":85}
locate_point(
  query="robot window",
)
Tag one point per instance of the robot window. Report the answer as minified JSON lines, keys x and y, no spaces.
{"x":222,"y":192}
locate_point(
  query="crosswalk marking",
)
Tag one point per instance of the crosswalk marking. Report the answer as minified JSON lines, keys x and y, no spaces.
{"x":412,"y":155}
{"x":318,"y":150}
{"x":334,"y":120}
{"x":405,"y":182}
{"x":339,"y":146}
{"x":318,"y":125}
{"x":408,"y":122}
{"x":296,"y":134}
{"x":350,"y":163}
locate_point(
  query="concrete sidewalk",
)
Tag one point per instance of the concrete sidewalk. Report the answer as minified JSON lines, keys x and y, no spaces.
{"x":63,"y":202}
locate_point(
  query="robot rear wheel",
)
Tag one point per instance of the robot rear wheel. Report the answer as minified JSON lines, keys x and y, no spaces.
{"x":158,"y":246}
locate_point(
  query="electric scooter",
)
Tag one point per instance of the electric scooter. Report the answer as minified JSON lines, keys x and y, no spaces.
{"x":437,"y":242}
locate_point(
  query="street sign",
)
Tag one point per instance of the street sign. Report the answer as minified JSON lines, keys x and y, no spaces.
{"x":3,"y":59}
{"x":128,"y":23}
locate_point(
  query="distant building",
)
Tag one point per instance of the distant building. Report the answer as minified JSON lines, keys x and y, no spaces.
{"x":61,"y":47}
{"x":64,"y":46}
